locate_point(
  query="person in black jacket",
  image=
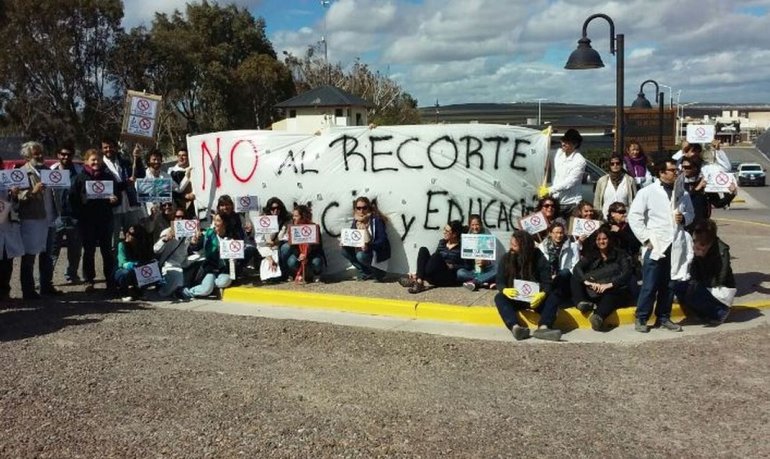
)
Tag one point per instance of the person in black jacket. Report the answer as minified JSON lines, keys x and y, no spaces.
{"x":710,"y":275}
{"x":376,"y":249}
{"x":439,"y":268}
{"x":94,"y":217}
{"x":525,"y":262}
{"x":600,"y":279}
{"x":695,"y":185}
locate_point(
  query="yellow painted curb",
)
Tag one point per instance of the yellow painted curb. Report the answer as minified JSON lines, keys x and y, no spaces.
{"x":566,"y":319}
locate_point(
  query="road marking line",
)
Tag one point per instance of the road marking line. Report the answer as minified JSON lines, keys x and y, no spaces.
{"x":742,"y":221}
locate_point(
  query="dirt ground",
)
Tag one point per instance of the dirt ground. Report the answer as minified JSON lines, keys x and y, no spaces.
{"x":111,"y":379}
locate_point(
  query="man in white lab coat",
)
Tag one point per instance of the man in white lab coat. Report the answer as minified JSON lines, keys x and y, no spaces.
{"x":657,"y":217}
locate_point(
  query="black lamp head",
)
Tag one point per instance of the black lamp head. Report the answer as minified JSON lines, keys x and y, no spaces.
{"x":584,"y":57}
{"x":641,"y":102}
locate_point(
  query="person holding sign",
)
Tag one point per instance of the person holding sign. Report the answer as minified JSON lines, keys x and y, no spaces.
{"x":601,"y":277}
{"x":154,"y":171}
{"x":269,"y":244}
{"x":94,"y":217}
{"x":11,"y":244}
{"x":702,"y":202}
{"x":298,"y":256}
{"x":568,"y":168}
{"x":484,"y":272}
{"x":562,"y":255}
{"x":439,"y":268}
{"x":375,"y":246}
{"x":184,"y":198}
{"x":67,"y":224}
{"x":524,"y":262}
{"x":213,"y":272}
{"x":171,"y":252}
{"x":134,"y":251}
{"x":128,"y":211}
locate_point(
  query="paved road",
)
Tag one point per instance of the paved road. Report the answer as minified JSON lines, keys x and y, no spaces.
{"x":757,"y":198}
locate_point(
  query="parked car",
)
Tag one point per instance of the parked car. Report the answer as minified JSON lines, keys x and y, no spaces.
{"x":591,"y":175}
{"x":751,"y":174}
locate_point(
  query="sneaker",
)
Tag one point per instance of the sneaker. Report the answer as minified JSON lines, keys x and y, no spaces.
{"x":721,"y":318}
{"x":519,"y":332}
{"x":405,"y":281}
{"x":641,"y":326}
{"x":548,"y":334}
{"x":585,"y":306}
{"x":596,"y":322}
{"x":669,"y":325}
{"x":185,"y":294}
{"x":470,"y":285}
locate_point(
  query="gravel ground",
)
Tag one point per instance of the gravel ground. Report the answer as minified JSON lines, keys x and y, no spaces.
{"x":127,"y":380}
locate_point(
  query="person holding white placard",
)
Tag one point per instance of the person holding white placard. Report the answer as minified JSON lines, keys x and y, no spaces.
{"x":524,"y":261}
{"x":133,"y":251}
{"x":304,"y":262}
{"x":269,"y":244}
{"x":376,"y":248}
{"x":562,"y":255}
{"x":172,"y":257}
{"x":128,"y":211}
{"x":616,"y":186}
{"x":95,"y":218}
{"x":184,"y":198}
{"x":213,"y":271}
{"x":484,"y":272}
{"x":11,"y":244}
{"x":238,"y":229}
{"x":695,"y":185}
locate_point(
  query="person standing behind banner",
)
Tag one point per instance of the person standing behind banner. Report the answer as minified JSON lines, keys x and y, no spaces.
{"x":11,"y":244}
{"x":67,"y":224}
{"x":184,"y":198}
{"x":309,"y":258}
{"x":484,"y":272}
{"x":129,"y":211}
{"x":376,"y":249}
{"x":616,"y":186}
{"x":37,"y":212}
{"x":95,"y":218}
{"x":568,"y":169}
{"x":636,"y":162}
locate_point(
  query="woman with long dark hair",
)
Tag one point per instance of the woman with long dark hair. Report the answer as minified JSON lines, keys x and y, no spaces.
{"x":376,"y":249}
{"x":440,"y":267}
{"x":304,"y":262}
{"x":134,"y":251}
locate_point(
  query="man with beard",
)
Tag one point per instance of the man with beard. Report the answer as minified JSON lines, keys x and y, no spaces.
{"x":38,"y":214}
{"x":184,"y":198}
{"x":67,"y":224}
{"x":129,"y":212}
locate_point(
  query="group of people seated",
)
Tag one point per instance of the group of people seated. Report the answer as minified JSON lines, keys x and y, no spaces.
{"x":654,"y":239}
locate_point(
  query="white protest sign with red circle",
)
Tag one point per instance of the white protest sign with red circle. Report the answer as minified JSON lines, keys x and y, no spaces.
{"x":583,"y":226}
{"x":700,"y":133}
{"x":147,"y":274}
{"x":351,"y":237}
{"x":717,"y":180}
{"x":98,"y":189}
{"x":246,"y":203}
{"x":231,"y":248}
{"x":534,"y":223}
{"x":55,"y":178}
{"x":303,"y":234}
{"x":526,"y":289}
{"x":266,"y":224}
{"x":185,"y":228}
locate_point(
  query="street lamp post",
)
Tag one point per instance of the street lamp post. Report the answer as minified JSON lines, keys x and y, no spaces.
{"x":539,"y":100}
{"x":585,"y":57}
{"x":642,"y":102}
{"x":670,"y":94}
{"x":325,"y":4}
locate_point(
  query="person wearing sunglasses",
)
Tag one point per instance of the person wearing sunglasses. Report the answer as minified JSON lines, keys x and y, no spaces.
{"x":67,"y":224}
{"x":269,"y":245}
{"x":616,"y":186}
{"x":657,"y":217}
{"x":376,"y":249}
{"x":171,"y":253}
{"x":133,"y":251}
{"x":695,"y":185}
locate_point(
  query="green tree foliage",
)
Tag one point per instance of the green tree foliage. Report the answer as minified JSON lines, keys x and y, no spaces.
{"x":53,"y":67}
{"x":392,"y":105}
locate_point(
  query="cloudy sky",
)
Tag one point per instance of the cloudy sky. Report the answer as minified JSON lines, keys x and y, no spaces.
{"x":458,"y":51}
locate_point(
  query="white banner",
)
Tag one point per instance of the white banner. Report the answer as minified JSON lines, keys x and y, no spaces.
{"x":422,"y":176}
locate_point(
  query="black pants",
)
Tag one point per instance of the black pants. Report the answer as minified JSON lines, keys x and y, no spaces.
{"x":6,"y":271}
{"x":433,"y":268}
{"x":93,"y":233}
{"x":606,"y":303}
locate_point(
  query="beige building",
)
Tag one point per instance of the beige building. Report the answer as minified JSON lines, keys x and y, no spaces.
{"x":321,"y":108}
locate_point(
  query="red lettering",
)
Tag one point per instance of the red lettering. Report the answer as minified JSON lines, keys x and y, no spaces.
{"x":232,"y":160}
{"x":215,"y":162}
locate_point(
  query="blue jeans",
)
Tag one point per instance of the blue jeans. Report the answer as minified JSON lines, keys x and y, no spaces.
{"x":486,"y":276}
{"x":695,"y":297}
{"x":656,"y":284}
{"x":362,"y":261}
{"x":208,"y":283}
{"x":69,"y":231}
{"x":290,"y":253}
{"x":125,"y":278}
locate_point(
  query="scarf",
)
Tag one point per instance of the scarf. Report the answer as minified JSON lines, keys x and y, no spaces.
{"x":636,"y":167}
{"x":96,"y":174}
{"x":617,"y":177}
{"x":553,"y":254}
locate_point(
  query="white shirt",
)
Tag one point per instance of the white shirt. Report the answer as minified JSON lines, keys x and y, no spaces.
{"x":568,"y":177}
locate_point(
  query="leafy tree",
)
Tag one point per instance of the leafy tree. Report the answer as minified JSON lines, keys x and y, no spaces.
{"x":53,"y":68}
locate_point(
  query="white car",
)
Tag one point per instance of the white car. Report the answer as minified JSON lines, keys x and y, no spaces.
{"x":750,"y":174}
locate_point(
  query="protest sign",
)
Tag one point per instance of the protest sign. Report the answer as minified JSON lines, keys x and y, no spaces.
{"x":185,"y":228}
{"x":422,"y":176}
{"x":140,"y":117}
{"x":352,"y":237}
{"x":154,"y":190}
{"x":97,"y":189}
{"x":717,"y":180}
{"x":526,"y":290}
{"x":147,"y":274}
{"x":246,"y":203}
{"x":700,"y":133}
{"x":303,"y":234}
{"x":583,"y":227}
{"x":231,"y":249}
{"x":265,"y":224}
{"x":13,"y":178}
{"x":478,"y":246}
{"x":55,"y":178}
{"x":534,"y":223}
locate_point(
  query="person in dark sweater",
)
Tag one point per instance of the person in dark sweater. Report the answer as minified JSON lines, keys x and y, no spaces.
{"x":376,"y":249}
{"x":695,"y":185}
{"x":94,"y":217}
{"x":711,"y":287}
{"x":439,"y":268}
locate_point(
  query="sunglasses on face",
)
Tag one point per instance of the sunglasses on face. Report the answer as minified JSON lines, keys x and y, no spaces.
{"x":179,"y":216}
{"x":614,"y":163}
{"x":620,"y":211}
{"x":65,"y":154}
{"x":548,"y":206}
{"x":275,"y":208}
{"x":362,"y":207}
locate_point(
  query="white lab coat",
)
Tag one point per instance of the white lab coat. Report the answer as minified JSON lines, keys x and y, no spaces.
{"x":568,"y":177}
{"x":651,"y":218}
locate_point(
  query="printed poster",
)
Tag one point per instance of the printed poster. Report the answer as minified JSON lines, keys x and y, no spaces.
{"x":478,"y":247}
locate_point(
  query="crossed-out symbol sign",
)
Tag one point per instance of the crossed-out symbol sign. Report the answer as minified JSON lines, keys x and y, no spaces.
{"x":55,"y":176}
{"x":146,"y":271}
{"x":245,"y":201}
{"x":97,"y":187}
{"x":189,"y":225}
{"x":700,"y":131}
{"x":306,"y":231}
{"x":722,"y":178}
{"x":535,"y":220}
{"x":264,"y":222}
{"x":590,"y":225}
{"x":355,"y":235}
{"x":143,"y":105}
{"x":526,"y":290}
{"x":145,"y":123}
{"x":17,"y":176}
{"x":235,"y":246}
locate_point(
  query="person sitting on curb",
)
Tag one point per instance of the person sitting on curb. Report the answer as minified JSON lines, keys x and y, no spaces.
{"x":484,"y":272}
{"x":212,"y":272}
{"x":376,"y":249}
{"x":711,"y":288}
{"x":269,"y":245}
{"x":562,"y":255}
{"x":133,"y":252}
{"x":172,"y":258}
{"x":304,"y":262}
{"x":600,"y":279}
{"x":439,"y":268}
{"x":524,"y":262}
